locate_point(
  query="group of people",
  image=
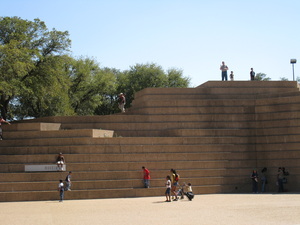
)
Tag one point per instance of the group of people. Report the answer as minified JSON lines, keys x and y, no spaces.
{"x":224,"y":69}
{"x":66,"y":184}
{"x":280,"y":179}
{"x":172,"y":182}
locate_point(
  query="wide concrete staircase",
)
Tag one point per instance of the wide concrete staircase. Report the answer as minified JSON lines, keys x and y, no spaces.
{"x":214,"y":135}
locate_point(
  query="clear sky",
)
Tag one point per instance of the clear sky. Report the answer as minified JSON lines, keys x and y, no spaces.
{"x":192,"y":35}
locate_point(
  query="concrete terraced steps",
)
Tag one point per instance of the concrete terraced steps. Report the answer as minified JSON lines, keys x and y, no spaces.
{"x":214,"y":135}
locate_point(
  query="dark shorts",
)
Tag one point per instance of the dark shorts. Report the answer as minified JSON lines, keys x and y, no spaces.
{"x":168,"y":191}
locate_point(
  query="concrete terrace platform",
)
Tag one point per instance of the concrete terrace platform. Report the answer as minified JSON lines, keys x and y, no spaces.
{"x":214,"y":135}
{"x":217,"y":209}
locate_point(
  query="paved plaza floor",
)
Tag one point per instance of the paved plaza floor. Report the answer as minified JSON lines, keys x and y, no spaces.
{"x":219,"y":209}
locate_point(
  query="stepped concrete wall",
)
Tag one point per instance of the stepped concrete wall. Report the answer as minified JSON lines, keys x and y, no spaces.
{"x":214,"y":135}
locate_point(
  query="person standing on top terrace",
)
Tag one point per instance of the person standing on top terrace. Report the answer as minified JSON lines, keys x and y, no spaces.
{"x":122,"y":102}
{"x":224,"y":69}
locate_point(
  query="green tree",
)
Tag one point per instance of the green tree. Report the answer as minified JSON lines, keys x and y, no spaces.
{"x":109,"y":99}
{"x":262,"y":77}
{"x":46,"y":93}
{"x":176,"y":79}
{"x":91,"y":86}
{"x":283,"y":79}
{"x":28,"y":52}
{"x":143,"y":76}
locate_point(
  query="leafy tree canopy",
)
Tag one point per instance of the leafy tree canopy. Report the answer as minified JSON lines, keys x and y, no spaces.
{"x":283,"y":79}
{"x":26,"y":49}
{"x":262,"y":77}
{"x":142,"y":76}
{"x":90,"y":85}
{"x":38,"y":78}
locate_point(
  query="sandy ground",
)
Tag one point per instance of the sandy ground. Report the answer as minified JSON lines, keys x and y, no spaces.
{"x":240,"y":209}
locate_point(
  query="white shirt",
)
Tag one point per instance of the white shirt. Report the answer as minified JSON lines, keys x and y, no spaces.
{"x":168,"y":184}
{"x":60,"y":186}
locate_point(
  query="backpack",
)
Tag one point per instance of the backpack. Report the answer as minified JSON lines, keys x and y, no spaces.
{"x":177,"y":177}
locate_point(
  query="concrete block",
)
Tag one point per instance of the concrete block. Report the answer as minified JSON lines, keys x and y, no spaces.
{"x":32,"y":126}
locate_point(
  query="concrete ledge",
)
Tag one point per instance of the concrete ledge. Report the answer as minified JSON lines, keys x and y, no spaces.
{"x":33,"y":127}
{"x":93,"y":133}
{"x":116,"y":149}
{"x":45,"y":168}
{"x":210,"y":132}
{"x":253,"y":84}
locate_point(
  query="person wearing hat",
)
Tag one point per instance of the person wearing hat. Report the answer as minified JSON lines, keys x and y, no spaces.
{"x":122,"y":102}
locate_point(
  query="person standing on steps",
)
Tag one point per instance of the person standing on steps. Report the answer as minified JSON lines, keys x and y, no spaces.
{"x":122,"y":102}
{"x":224,"y":69}
{"x":254,"y":177}
{"x":252,"y":74}
{"x":280,"y":176}
{"x":2,"y":121}
{"x":168,"y":189}
{"x":174,"y":182}
{"x":231,"y":76}
{"x":146,"y":177}
{"x":61,"y":190}
{"x":263,"y":179}
{"x":68,"y":181}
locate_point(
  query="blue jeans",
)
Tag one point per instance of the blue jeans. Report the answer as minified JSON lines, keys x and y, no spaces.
{"x":68,"y":185}
{"x":263,"y":185}
{"x":61,"y":195}
{"x":280,"y":185}
{"x":146,"y":183}
{"x":224,"y":75}
{"x":254,"y":186}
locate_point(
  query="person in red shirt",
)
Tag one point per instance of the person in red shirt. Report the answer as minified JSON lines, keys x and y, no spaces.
{"x":146,"y":178}
{"x":2,"y":121}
